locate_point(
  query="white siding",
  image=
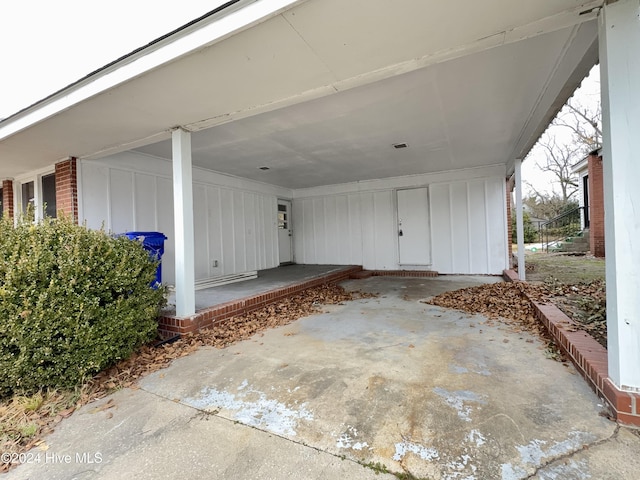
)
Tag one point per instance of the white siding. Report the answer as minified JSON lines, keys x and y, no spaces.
{"x":441,"y":227}
{"x":350,"y":224}
{"x":467,"y":215}
{"x":235,"y":219}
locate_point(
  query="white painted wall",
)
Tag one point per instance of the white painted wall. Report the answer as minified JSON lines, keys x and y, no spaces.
{"x":347,"y":224}
{"x":235,"y":219}
{"x":356,"y":223}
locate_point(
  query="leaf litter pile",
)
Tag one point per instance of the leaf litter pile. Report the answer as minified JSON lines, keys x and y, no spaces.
{"x":24,"y":421}
{"x":585,"y":303}
{"x":507,"y":302}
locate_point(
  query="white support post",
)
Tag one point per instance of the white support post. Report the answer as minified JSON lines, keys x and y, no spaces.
{"x":519,"y":220}
{"x":619,"y":42}
{"x":183,"y":223}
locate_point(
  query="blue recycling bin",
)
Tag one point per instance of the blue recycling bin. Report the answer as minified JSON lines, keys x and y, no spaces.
{"x":152,"y":242}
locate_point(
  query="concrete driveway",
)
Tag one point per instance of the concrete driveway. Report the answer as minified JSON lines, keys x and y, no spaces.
{"x":376,"y":384}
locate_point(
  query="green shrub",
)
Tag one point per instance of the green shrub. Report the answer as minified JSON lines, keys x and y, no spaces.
{"x":530,"y":232}
{"x":73,"y":301}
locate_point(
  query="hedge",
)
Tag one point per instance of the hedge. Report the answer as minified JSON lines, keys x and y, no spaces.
{"x":73,"y":301}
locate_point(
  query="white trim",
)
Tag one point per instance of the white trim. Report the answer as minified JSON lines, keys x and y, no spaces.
{"x":79,"y":202}
{"x":182,"y":43}
{"x":183,"y":223}
{"x":404,"y":182}
{"x":27,"y":177}
{"x":35,"y":177}
{"x":520,"y":220}
{"x":620,"y":74}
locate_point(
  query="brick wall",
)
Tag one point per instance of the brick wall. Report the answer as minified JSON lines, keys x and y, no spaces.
{"x":7,"y":198}
{"x":596,"y":206}
{"x":67,"y":188}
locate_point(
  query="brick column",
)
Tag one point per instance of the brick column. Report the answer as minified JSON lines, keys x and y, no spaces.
{"x":7,"y":198}
{"x":67,"y":188}
{"x":596,"y":206}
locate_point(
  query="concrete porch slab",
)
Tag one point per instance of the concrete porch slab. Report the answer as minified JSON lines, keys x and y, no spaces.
{"x":220,"y":303}
{"x":269,"y":279}
{"x":421,"y":389}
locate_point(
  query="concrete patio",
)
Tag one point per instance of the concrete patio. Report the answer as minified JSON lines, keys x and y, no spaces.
{"x":270,"y":279}
{"x":389,"y":380}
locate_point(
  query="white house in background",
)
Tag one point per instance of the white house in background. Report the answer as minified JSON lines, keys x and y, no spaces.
{"x":365,"y":132}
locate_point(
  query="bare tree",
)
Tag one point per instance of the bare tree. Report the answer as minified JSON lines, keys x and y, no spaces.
{"x":584,"y":121}
{"x":557,"y":152}
{"x":545,"y":206}
{"x":558,"y":160}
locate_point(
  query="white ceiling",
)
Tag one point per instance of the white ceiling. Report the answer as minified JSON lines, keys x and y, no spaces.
{"x":320,"y":89}
{"x":463,"y":113}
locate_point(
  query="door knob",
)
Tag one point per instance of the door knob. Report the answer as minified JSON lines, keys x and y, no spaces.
{"x":400,"y":233}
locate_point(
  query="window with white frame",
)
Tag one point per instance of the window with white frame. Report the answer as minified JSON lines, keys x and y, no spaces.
{"x":38,"y":192}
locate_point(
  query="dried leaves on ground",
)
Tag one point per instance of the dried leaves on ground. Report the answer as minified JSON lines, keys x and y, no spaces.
{"x":498,"y":301}
{"x":25,"y":420}
{"x":584,"y":303}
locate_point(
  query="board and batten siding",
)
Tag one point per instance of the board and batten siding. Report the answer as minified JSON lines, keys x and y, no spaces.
{"x":357,"y":223}
{"x":234,"y":219}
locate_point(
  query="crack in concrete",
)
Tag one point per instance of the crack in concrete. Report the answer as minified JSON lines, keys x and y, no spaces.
{"x":204,"y":414}
{"x":570,"y":454}
{"x":488,"y":420}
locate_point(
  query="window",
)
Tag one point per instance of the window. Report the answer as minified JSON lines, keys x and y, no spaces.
{"x":40,"y":194}
{"x":49,"y":195}
{"x":28,"y":196}
{"x":282,"y":217}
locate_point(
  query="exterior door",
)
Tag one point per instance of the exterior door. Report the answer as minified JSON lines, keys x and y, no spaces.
{"x":414,"y":235}
{"x":285,"y":233}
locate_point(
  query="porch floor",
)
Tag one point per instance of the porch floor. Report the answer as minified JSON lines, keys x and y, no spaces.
{"x":271,"y":279}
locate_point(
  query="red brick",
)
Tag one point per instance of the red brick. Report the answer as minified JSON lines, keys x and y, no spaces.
{"x":7,"y":198}
{"x":67,"y":188}
{"x":619,"y":400}
{"x":628,"y":419}
{"x":596,"y":206}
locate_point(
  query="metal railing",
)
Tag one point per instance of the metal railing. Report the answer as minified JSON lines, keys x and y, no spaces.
{"x":557,"y":230}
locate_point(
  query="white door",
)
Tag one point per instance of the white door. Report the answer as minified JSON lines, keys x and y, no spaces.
{"x":414,"y":237}
{"x":285,"y":234}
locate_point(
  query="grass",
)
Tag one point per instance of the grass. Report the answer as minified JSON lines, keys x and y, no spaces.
{"x":568,"y":269}
{"x":380,"y":468}
{"x":25,"y":419}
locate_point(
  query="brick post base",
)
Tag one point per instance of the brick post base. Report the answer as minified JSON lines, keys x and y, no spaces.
{"x":67,"y":188}
{"x":596,"y":206}
{"x":7,"y":198}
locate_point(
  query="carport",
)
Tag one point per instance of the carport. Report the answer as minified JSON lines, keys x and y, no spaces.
{"x":382,"y":383}
{"x":328,"y":104}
